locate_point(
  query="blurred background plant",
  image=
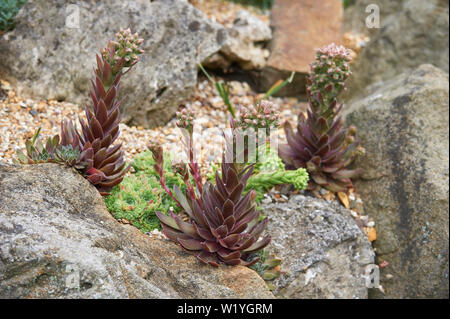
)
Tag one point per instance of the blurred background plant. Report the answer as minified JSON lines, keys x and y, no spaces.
{"x":8,"y":11}
{"x":263,"y":4}
{"x":348,"y":3}
{"x":322,"y":144}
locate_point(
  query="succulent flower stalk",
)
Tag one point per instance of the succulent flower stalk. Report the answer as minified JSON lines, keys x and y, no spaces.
{"x":261,"y":116}
{"x":185,"y":122}
{"x":328,"y":75}
{"x":101,"y":128}
{"x":321,"y":144}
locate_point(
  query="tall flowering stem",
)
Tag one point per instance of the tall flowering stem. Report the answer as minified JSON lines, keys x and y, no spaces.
{"x":157,"y":152}
{"x":185,"y":122}
{"x":328,"y":75}
{"x":321,"y":144}
{"x":101,"y":127}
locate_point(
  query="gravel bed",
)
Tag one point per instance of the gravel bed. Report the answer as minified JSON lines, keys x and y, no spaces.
{"x":224,"y":12}
{"x":21,"y":117}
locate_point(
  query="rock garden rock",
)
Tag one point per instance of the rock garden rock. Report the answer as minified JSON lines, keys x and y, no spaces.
{"x":300,"y":27}
{"x":411,"y":34}
{"x":322,"y":249}
{"x":57,"y":240}
{"x":355,"y":15}
{"x":51,"y":52}
{"x":404,"y":128}
{"x":244,"y":45}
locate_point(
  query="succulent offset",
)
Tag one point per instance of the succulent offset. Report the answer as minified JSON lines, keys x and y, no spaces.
{"x":268,"y":267}
{"x":54,"y":152}
{"x":321,"y":144}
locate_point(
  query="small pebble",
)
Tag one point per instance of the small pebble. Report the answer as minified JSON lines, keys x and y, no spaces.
{"x":317,"y":219}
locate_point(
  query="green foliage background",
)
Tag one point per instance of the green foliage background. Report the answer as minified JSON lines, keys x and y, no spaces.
{"x":263,"y":4}
{"x":8,"y":11}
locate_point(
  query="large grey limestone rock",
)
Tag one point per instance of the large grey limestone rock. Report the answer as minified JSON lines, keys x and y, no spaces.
{"x":51,"y":52}
{"x":403,"y":126}
{"x":57,"y":240}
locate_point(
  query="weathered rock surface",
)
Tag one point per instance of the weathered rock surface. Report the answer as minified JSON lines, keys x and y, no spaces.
{"x":355,"y":15}
{"x":300,"y":27}
{"x":244,"y":45}
{"x":404,"y":128}
{"x":54,"y":226}
{"x":321,"y":247}
{"x":46,"y":57}
{"x":412,"y":33}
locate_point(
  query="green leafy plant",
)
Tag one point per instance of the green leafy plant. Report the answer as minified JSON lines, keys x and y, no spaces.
{"x":278,"y":86}
{"x":321,"y":144}
{"x":264,"y":181}
{"x":144,"y":163}
{"x":263,"y":4}
{"x":271,"y":162}
{"x":137,"y":199}
{"x":224,"y":91}
{"x":348,"y":3}
{"x":8,"y":11}
{"x":140,"y":195}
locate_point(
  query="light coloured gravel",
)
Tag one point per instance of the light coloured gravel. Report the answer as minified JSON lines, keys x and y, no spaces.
{"x":223,"y":11}
{"x":20,"y":118}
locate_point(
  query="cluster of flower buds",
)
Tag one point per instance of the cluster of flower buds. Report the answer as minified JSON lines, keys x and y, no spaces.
{"x":329,"y":71}
{"x":263,"y":115}
{"x":185,"y":119}
{"x":126,"y":46}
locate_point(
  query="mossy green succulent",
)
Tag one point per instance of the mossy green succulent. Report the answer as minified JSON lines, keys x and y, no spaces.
{"x":8,"y":11}
{"x":271,"y":163}
{"x":263,"y":4}
{"x":140,"y":195}
{"x":264,"y":181}
{"x":137,"y":199}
